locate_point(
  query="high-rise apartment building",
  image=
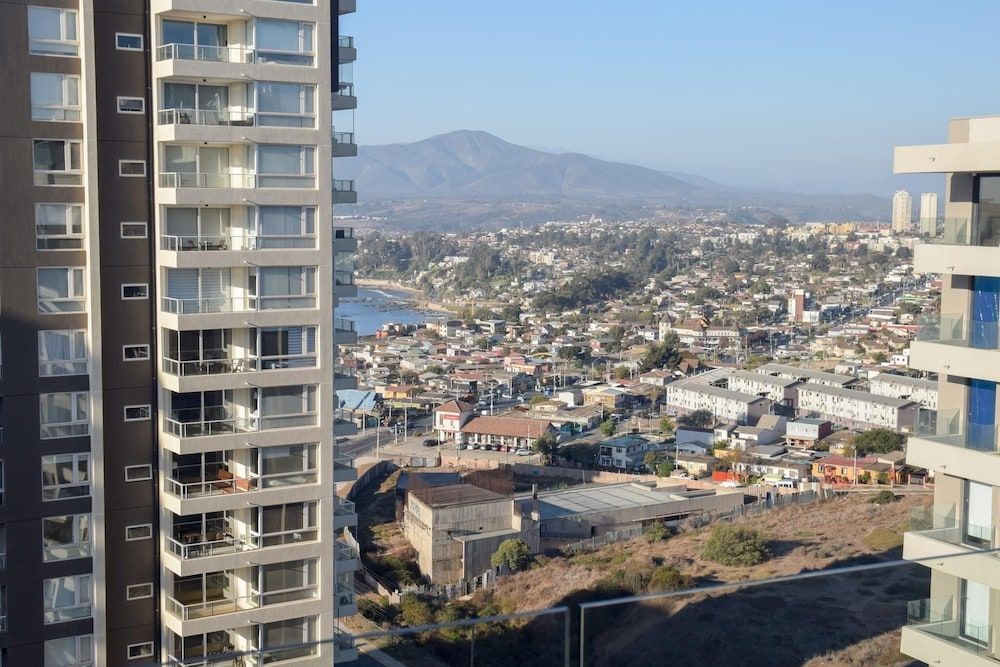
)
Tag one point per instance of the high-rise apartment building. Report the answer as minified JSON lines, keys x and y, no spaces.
{"x":958,"y":623}
{"x":902,"y":212}
{"x":928,"y":213}
{"x":168,"y":274}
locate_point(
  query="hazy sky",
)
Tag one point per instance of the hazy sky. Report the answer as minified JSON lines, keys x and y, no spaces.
{"x":748,"y":92}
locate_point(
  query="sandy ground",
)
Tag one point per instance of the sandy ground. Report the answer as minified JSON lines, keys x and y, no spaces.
{"x":416,"y":296}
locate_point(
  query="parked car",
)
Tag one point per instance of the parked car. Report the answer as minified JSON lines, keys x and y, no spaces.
{"x":523,"y":452}
{"x":431,"y":442}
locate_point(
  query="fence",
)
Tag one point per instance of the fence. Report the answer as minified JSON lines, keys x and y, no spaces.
{"x":458,"y":589}
{"x":601,"y":540}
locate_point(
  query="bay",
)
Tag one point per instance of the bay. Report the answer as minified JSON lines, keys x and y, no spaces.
{"x":374,"y":307}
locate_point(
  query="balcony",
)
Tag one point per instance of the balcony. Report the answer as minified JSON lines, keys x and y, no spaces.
{"x":935,"y":634}
{"x":944,"y":440}
{"x":344,"y":514}
{"x":215,"y":54}
{"x":233,"y":418}
{"x":346,"y":51}
{"x":956,"y":345}
{"x":344,"y":144}
{"x":237,"y":304}
{"x":344,"y":331}
{"x":343,"y":468}
{"x":960,"y":246}
{"x":347,"y":6}
{"x":178,"y":179}
{"x":944,"y":542}
{"x":344,"y":192}
{"x":343,"y":99}
{"x":344,"y":240}
{"x":344,"y":379}
{"x":347,"y":556}
{"x":217,"y":117}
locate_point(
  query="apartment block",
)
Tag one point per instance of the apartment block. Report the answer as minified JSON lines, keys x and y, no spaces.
{"x":958,"y":622}
{"x":708,"y":392}
{"x":168,"y":275}
{"x":856,"y":409}
{"x":921,"y":390}
{"x":780,"y":390}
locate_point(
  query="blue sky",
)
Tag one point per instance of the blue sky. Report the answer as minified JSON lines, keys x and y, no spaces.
{"x":810,"y":95}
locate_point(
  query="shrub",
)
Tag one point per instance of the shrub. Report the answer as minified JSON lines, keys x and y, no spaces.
{"x":515,"y":554}
{"x":736,"y":546}
{"x":415,"y":610}
{"x":883,"y":497}
{"x":668,"y":578}
{"x":664,"y":469}
{"x":657,"y":532}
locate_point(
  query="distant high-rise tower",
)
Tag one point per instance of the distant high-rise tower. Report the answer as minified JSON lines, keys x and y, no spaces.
{"x":928,"y":213}
{"x":902,"y":211}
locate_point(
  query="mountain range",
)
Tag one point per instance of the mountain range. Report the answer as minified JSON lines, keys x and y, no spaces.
{"x":476,"y":165}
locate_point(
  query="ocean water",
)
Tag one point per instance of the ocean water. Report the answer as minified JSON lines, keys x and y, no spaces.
{"x":373,"y":307}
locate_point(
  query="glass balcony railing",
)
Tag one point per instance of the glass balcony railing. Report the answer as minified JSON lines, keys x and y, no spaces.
{"x":938,"y":617}
{"x":343,"y":232}
{"x":212,"y":242}
{"x":952,"y":427}
{"x":235,"y":304}
{"x":343,"y":277}
{"x":204,"y":544}
{"x":344,"y":508}
{"x":346,"y":138}
{"x":960,"y":331}
{"x":943,"y":524}
{"x":219,"y":54}
{"x":223,"y":365}
{"x":345,"y":42}
{"x":345,"y":89}
{"x":177,"y":179}
{"x":342,"y":324}
{"x":231,"y":117}
{"x":962,"y":232}
{"x":343,"y":185}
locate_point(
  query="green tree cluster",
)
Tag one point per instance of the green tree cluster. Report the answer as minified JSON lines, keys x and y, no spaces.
{"x":736,"y":546}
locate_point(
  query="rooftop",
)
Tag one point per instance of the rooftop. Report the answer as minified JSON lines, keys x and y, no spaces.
{"x":454,"y":494}
{"x":605,"y":499}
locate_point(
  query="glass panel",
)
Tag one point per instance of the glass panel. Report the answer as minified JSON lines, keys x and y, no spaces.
{"x":988,"y":210}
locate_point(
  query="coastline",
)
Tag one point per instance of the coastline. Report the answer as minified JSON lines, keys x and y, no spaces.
{"x":417,"y":297}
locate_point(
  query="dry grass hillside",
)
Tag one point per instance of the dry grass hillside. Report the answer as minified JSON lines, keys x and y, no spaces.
{"x":850,"y":619}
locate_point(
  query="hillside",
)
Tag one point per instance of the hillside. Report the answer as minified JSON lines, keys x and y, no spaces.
{"x":849,"y":619}
{"x":468,"y":171}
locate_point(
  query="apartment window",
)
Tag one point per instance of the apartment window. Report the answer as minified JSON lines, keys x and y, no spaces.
{"x":282,"y":166}
{"x":134,"y":230}
{"x":137,"y":352}
{"x":138,"y":651}
{"x":195,"y":41}
{"x":286,"y":104}
{"x":3,"y":546}
{"x":135,"y":291}
{"x":61,"y":290}
{"x":59,"y":226}
{"x":135,"y":105}
{"x":287,"y":287}
{"x":64,"y":415}
{"x":283,"y":42}
{"x":65,"y":476}
{"x":188,"y":103}
{"x":55,"y":97}
{"x":127,"y":41}
{"x":138,"y":473}
{"x":52,"y":32}
{"x":139,"y":592}
{"x":65,"y":537}
{"x":3,"y":490}
{"x":138,"y":413}
{"x":67,"y":598}
{"x":142,"y":531}
{"x":62,"y":352}
{"x":132,"y":168}
{"x":284,"y":226}
{"x":284,"y":407}
{"x":57,"y":162}
{"x":70,"y":652}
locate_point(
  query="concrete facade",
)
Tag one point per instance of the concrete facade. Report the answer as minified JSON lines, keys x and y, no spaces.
{"x":959,"y":619}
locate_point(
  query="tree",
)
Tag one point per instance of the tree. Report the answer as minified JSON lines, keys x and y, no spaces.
{"x":664,"y":469}
{"x":877,"y":441}
{"x":415,"y":610}
{"x":661,"y":355}
{"x":697,"y":419}
{"x":622,"y":372}
{"x":569,"y":352}
{"x":736,"y":546}
{"x":514,"y":554}
{"x":535,"y":400}
{"x":545,"y":445}
{"x":608,"y":427}
{"x":666,"y":425}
